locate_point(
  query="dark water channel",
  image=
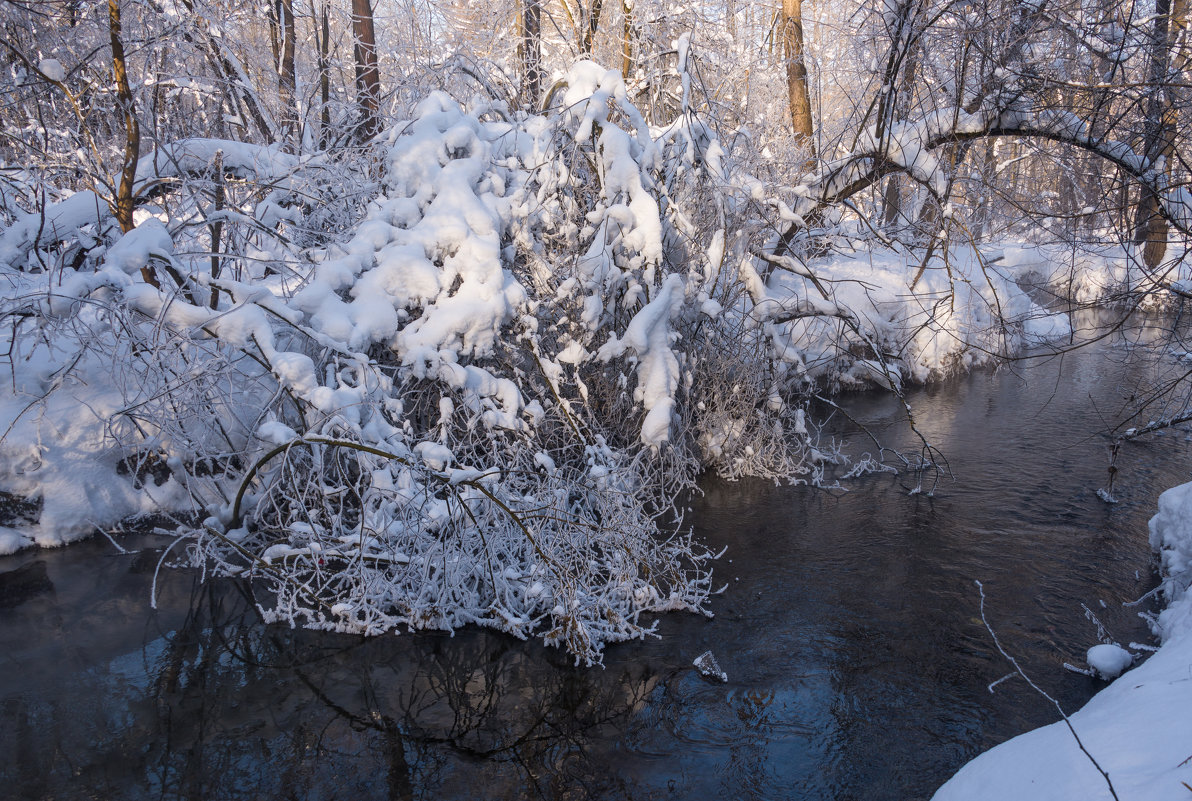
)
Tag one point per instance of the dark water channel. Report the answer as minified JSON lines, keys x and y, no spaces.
{"x":858,"y":666}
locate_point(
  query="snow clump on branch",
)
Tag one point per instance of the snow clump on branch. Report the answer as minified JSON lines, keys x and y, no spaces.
{"x":486,"y":405}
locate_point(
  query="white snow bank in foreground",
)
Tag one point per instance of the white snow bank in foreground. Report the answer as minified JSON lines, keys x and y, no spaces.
{"x":1171,"y":537}
{"x":1139,"y":728}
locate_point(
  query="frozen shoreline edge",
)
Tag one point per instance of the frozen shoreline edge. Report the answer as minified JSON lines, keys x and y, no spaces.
{"x":1136,"y":727}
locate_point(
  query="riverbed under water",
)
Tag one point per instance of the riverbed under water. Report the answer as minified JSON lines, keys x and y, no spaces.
{"x":858,"y":664}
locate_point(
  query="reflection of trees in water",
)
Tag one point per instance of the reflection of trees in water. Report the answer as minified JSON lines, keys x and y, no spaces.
{"x":245,"y":711}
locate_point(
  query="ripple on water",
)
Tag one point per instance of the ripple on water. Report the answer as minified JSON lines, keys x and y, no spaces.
{"x":858,"y":663}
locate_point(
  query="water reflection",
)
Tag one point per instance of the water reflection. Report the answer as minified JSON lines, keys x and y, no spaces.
{"x":221,"y":707}
{"x":858,"y":667}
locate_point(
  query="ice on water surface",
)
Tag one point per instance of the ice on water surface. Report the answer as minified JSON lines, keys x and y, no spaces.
{"x":709,"y":668}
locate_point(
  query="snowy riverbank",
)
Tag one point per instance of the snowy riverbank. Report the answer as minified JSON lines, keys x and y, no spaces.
{"x":510,"y":370}
{"x":68,"y":444}
{"x":1136,"y":728}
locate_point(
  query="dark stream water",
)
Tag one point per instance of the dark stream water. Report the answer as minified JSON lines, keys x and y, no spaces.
{"x":857,"y":661}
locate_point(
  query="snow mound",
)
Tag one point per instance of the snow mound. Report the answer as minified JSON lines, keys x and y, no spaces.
{"x":1108,"y":660}
{"x":12,"y":541}
{"x":83,"y":215}
{"x":963,"y":313}
{"x":1171,"y":537}
{"x":62,"y":449}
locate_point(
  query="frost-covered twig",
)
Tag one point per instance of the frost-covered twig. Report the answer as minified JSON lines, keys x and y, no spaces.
{"x":1019,"y":671}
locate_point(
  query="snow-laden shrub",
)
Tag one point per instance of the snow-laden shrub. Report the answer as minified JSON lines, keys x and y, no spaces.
{"x":488,"y":405}
{"x":489,"y":400}
{"x":500,"y":403}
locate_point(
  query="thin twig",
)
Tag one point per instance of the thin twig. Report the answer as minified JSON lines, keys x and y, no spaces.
{"x":1018,"y":669}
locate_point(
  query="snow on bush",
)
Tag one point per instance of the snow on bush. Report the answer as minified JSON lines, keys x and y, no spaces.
{"x":486,"y":404}
{"x":1109,"y":660}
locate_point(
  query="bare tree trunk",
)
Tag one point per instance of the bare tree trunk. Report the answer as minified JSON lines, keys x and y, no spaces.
{"x":274,"y":44}
{"x":1150,"y":228}
{"x":626,"y":42}
{"x":532,"y":52}
{"x":324,"y":66}
{"x":368,"y":78}
{"x":592,"y":27}
{"x":1179,"y":36}
{"x":215,"y":229}
{"x":892,"y":201}
{"x":132,"y":128}
{"x":125,"y":201}
{"x":892,"y":198}
{"x":796,"y":75}
{"x":286,"y":80}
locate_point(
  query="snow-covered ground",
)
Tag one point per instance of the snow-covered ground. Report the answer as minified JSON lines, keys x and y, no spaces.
{"x":1138,"y":729}
{"x":61,"y":442}
{"x":60,"y":447}
{"x":528,"y":334}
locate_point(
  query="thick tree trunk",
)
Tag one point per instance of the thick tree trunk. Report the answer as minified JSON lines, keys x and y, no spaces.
{"x":796,"y":75}
{"x":1150,"y":228}
{"x":368,"y":78}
